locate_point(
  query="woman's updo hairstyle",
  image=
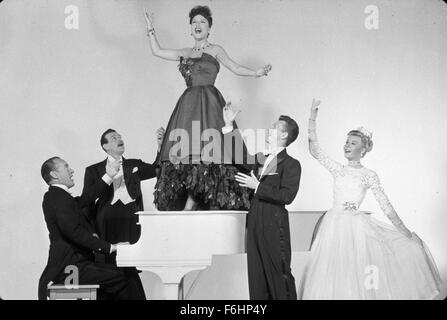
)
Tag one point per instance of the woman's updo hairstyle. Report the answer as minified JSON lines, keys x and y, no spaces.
{"x":365,"y":136}
{"x":203,"y":11}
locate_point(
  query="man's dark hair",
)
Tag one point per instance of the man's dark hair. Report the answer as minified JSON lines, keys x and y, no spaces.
{"x":104,"y":139}
{"x":292,"y":129}
{"x":48,"y":166}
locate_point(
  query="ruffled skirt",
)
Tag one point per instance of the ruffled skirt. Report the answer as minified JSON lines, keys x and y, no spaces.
{"x":212,"y":186}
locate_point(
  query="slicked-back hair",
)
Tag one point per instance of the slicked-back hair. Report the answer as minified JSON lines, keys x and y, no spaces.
{"x":48,"y":166}
{"x":291,"y":127}
{"x":104,"y":140}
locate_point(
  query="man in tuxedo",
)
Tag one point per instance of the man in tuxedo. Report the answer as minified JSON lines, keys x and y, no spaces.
{"x":72,"y":239}
{"x":114,"y":211}
{"x":275,"y":179}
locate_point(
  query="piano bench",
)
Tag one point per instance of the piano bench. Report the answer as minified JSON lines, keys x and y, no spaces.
{"x":79,"y":292}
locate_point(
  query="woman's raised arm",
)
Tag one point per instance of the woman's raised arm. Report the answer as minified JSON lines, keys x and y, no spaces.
{"x":314,"y":147}
{"x":157,"y":50}
{"x":222,"y":57}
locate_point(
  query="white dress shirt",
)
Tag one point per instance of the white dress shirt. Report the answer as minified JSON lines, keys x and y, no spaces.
{"x":271,"y":155}
{"x":119,"y":185}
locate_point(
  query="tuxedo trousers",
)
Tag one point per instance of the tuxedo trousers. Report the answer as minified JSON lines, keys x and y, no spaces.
{"x":118,"y":223}
{"x":269,"y":256}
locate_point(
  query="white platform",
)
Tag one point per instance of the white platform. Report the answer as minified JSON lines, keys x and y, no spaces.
{"x":174,"y":243}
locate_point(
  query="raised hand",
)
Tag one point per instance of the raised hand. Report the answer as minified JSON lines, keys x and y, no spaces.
{"x":244,"y":180}
{"x":229,"y":114}
{"x":160,"y":135}
{"x":263,"y":71}
{"x":314,"y":108}
{"x":112,"y":168}
{"x":149,"y":20}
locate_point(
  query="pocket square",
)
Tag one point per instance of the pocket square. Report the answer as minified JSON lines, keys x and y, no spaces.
{"x":134,"y":169}
{"x":271,"y":173}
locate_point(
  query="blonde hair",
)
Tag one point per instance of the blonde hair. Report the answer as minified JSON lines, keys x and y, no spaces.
{"x":366,"y":140}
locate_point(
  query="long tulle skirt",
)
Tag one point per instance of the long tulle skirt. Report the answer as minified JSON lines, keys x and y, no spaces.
{"x":355,"y":256}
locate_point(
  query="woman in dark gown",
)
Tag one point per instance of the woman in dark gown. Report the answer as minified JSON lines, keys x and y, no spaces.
{"x":187,"y":181}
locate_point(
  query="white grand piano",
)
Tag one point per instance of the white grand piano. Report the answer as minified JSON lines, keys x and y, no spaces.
{"x":211,"y":243}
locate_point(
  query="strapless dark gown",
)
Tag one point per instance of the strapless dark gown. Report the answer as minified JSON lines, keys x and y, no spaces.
{"x":211,"y":183}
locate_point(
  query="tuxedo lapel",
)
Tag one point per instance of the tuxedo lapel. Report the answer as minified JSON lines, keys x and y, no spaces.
{"x":102,"y":168}
{"x":257,"y":171}
{"x":126,"y":172}
{"x":260,"y":161}
{"x":273,"y":165}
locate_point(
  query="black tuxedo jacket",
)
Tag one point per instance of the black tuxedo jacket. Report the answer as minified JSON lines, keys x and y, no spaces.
{"x":280,"y":181}
{"x":134,"y":171}
{"x":71,"y":236}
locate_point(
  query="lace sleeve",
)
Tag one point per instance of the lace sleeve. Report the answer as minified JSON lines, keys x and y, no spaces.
{"x":315,"y":150}
{"x":385,"y":204}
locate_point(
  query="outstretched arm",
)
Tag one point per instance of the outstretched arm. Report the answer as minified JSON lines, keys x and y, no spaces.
{"x":314,"y":147}
{"x":146,"y":170}
{"x":157,"y":50}
{"x":385,"y":204}
{"x":234,"y":142}
{"x":238,"y":69}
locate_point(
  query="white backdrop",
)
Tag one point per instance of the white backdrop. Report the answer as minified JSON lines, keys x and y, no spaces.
{"x":60,"y":89}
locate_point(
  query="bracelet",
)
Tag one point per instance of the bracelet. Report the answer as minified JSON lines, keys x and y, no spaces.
{"x":266,"y":71}
{"x":150,"y":31}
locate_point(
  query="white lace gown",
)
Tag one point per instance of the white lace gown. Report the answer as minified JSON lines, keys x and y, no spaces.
{"x":355,"y":256}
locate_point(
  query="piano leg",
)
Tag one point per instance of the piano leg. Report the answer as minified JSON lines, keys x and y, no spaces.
{"x":172,"y":277}
{"x":172,"y":291}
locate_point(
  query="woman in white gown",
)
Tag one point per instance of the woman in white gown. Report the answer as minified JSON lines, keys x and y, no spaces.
{"x":355,"y":256}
